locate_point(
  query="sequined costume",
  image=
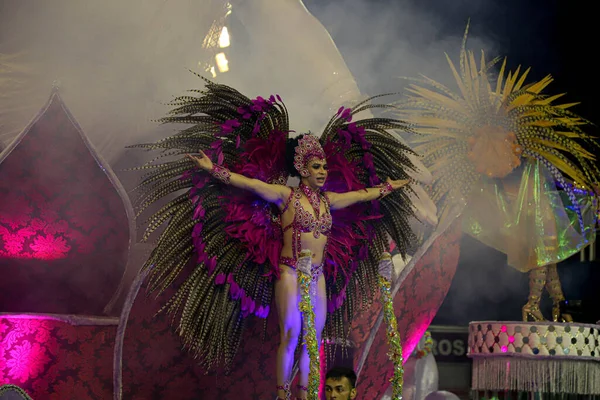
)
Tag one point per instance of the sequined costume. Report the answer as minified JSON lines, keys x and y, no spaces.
{"x":510,"y":154}
{"x":305,"y":222}
{"x":234,"y":238}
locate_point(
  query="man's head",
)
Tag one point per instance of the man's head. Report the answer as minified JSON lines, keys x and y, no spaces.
{"x":340,"y":384}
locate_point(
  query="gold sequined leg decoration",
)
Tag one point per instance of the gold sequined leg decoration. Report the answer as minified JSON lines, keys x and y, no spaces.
{"x":306,"y":306}
{"x":395,"y":347}
{"x":537,"y":280}
{"x":554,"y":289}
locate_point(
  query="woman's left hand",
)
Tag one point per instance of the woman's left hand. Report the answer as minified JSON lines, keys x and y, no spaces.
{"x":398,"y":184}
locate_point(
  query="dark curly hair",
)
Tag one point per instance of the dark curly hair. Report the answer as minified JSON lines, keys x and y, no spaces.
{"x":290,"y":152}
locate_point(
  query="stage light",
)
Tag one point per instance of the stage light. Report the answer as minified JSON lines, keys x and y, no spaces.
{"x":224,"y":38}
{"x":222,"y":62}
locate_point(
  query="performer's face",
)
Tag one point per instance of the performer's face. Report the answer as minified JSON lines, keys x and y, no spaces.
{"x":339,"y":389}
{"x":318,"y":172}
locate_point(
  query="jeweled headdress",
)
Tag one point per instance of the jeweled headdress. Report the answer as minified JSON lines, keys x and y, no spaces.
{"x":308,"y":147}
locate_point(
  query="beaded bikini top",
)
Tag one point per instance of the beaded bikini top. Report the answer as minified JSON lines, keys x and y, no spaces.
{"x":307,"y":221}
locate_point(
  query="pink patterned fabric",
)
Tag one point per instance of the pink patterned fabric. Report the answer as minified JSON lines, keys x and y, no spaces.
{"x":64,"y":228}
{"x":55,"y":360}
{"x":156,"y":366}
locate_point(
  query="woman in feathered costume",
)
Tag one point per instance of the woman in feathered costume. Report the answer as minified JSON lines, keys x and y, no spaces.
{"x":251,"y":237}
{"x":521,"y":163}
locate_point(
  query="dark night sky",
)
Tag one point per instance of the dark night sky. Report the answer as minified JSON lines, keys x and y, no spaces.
{"x":553,"y":37}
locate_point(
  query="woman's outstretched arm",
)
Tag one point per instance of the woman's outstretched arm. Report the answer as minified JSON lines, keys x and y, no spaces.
{"x":342,"y":200}
{"x":276,"y":194}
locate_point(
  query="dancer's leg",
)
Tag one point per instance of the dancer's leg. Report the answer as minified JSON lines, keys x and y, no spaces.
{"x":290,"y":323}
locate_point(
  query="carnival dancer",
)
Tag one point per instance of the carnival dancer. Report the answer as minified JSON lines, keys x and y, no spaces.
{"x":250,"y":236}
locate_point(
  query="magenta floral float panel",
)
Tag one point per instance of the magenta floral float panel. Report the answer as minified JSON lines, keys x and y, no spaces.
{"x":53,"y":359}
{"x":156,"y":366}
{"x":64,"y":230}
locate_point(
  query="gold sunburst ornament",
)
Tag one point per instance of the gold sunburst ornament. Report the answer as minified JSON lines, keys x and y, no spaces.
{"x":520,"y":160}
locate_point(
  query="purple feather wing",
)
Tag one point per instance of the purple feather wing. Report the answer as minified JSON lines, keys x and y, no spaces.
{"x":363,"y":153}
{"x":232,"y":237}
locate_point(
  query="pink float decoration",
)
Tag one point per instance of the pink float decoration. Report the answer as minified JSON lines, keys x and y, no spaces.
{"x":65,"y":221}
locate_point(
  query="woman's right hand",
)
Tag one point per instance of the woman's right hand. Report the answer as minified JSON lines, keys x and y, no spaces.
{"x":202,"y":160}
